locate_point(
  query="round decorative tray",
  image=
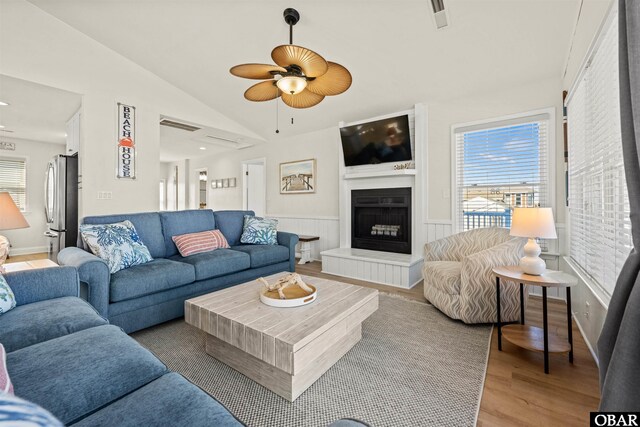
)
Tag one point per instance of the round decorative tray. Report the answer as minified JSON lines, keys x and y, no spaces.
{"x":295,"y":297}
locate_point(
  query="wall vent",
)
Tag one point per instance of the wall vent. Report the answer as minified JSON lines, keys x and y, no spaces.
{"x":178,"y":125}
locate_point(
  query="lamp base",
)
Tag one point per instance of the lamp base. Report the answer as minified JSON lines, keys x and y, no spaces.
{"x":531,"y":263}
{"x":4,"y":249}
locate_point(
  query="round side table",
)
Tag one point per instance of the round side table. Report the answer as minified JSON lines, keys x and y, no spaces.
{"x":531,"y":337}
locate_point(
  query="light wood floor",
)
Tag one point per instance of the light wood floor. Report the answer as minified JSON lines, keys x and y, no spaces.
{"x":516,"y":390}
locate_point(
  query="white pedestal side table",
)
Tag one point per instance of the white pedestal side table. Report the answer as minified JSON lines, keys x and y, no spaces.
{"x":305,"y":248}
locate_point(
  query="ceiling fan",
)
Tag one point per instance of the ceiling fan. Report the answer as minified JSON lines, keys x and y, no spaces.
{"x":302,"y":78}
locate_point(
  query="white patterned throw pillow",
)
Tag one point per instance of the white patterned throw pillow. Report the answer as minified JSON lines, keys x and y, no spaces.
{"x":118,"y":244}
{"x":7,"y":299}
{"x":259,"y":231}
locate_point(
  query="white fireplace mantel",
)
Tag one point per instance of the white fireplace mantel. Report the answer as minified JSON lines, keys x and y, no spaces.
{"x":402,"y":270}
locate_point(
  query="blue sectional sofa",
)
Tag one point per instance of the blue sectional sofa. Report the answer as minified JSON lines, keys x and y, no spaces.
{"x":65,"y":357}
{"x":152,"y":293}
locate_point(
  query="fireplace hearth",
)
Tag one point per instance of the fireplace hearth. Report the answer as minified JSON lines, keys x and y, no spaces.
{"x":381,"y":219}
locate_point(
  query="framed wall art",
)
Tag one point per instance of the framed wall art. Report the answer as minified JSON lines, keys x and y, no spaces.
{"x":298,"y":177}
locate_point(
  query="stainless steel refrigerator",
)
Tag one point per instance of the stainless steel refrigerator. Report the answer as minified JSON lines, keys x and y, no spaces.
{"x":61,"y":203}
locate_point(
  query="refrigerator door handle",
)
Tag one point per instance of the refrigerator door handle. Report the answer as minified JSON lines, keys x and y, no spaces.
{"x":47,"y":197}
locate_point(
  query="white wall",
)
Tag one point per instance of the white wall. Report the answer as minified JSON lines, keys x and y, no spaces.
{"x":38,"y":47}
{"x":32,"y":240}
{"x":321,"y":145}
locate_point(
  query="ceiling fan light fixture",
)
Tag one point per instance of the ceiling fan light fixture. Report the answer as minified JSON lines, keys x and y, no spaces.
{"x":292,"y":84}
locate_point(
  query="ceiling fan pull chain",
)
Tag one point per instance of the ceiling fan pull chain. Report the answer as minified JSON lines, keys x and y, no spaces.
{"x":277,"y":102}
{"x":291,"y":120}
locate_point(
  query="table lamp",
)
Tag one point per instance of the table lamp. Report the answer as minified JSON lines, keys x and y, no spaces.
{"x":10,"y":219}
{"x":533,"y":223}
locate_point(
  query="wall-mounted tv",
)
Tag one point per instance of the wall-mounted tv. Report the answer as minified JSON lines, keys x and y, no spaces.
{"x":380,"y":141}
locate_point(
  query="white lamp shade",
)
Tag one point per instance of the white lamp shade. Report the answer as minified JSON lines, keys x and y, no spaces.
{"x":533,"y":222}
{"x":10,"y":215}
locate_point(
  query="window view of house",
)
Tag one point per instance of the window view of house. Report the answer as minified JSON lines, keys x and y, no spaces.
{"x":499,"y":169}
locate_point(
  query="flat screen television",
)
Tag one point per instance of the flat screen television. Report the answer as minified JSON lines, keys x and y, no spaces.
{"x":381,"y":141}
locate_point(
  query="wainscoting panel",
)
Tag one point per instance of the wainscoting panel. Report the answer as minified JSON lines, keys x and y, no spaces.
{"x":327,"y":228}
{"x":437,"y":229}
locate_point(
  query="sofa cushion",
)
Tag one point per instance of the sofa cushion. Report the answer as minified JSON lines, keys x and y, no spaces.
{"x":197,"y":243}
{"x":18,"y":412}
{"x":41,"y":321}
{"x":231,"y":224}
{"x":183,"y":222}
{"x":117,"y":244}
{"x":259,"y":231}
{"x":155,"y":276}
{"x":170,"y":400}
{"x":6,"y":387}
{"x":262,"y":255}
{"x":7,"y":299}
{"x":148,"y":227}
{"x":216,"y":263}
{"x":445,"y":275}
{"x":76,"y":374}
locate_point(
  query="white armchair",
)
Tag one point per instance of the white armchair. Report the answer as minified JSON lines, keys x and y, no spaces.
{"x":458,"y":279}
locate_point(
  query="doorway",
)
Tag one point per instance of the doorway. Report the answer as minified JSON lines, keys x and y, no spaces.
{"x":254,"y":188}
{"x":202,"y":189}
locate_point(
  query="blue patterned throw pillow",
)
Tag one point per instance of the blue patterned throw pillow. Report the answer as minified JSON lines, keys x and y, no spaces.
{"x":19,"y":412}
{"x":259,"y":231}
{"x":7,"y":299}
{"x":118,"y":244}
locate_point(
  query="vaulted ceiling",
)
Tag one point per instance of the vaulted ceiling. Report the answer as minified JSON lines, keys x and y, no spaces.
{"x":394,"y":52}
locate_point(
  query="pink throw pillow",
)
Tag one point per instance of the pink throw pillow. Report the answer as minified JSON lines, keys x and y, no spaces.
{"x":204,"y":241}
{"x":5,"y":381}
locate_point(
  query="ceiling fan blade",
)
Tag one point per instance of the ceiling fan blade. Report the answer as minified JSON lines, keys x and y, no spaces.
{"x":335,"y":81}
{"x":312,"y":64}
{"x":304,"y":99}
{"x":256,"y":71}
{"x":263,"y":91}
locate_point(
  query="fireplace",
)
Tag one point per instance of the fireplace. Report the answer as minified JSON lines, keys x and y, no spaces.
{"x":381,"y":219}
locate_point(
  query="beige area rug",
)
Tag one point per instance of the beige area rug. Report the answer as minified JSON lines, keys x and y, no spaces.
{"x":413,"y":367}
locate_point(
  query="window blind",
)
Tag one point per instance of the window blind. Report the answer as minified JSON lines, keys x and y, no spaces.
{"x":13,"y":178}
{"x":500,"y":166}
{"x":600,"y":229}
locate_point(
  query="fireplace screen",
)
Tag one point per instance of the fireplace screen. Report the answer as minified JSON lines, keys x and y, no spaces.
{"x":381,"y":219}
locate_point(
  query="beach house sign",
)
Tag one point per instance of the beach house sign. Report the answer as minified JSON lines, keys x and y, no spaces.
{"x":126,"y":141}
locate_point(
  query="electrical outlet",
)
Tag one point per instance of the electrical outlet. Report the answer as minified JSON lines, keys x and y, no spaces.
{"x":587,"y":309}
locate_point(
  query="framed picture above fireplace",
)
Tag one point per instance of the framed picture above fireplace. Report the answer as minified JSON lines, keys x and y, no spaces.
{"x":298,"y":177}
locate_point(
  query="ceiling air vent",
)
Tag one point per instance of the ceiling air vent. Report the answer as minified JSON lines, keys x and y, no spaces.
{"x":178,"y":125}
{"x":439,"y":14}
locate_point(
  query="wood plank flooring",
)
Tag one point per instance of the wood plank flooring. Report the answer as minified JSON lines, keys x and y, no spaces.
{"x":516,"y":390}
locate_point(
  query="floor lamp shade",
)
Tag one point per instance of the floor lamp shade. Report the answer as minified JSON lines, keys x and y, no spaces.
{"x":10,"y":216}
{"x":533,"y":223}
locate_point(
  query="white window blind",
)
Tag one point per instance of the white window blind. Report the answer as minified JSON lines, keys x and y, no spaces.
{"x":600,"y":229}
{"x":499,"y":166}
{"x":13,"y":178}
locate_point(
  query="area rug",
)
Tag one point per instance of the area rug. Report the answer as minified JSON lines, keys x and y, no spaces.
{"x":413,"y":367}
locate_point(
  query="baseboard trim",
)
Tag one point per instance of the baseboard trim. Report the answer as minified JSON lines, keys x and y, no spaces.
{"x":584,"y":337}
{"x":27,"y":251}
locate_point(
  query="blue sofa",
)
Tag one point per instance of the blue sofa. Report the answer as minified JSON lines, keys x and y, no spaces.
{"x":65,"y":357}
{"x":152,"y":293}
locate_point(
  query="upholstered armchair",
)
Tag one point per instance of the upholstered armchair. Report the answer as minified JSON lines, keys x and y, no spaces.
{"x":458,"y":279}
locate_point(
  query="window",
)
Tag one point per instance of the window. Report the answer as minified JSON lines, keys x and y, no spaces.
{"x":599,"y":229}
{"x":13,"y":178}
{"x":500,"y":165}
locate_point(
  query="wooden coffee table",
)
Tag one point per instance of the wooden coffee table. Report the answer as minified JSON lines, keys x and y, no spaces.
{"x":284,"y":349}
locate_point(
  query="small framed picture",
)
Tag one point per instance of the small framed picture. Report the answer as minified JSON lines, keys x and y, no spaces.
{"x":298,"y":177}
{"x":214,"y":184}
{"x":225,"y":183}
{"x":219,"y":183}
{"x":232,"y":182}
